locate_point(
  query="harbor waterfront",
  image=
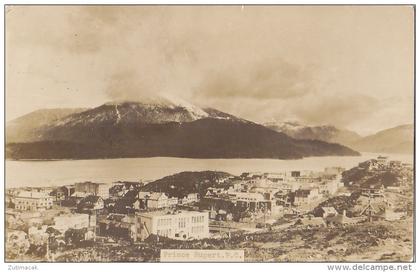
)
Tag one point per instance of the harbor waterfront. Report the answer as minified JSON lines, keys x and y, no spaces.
{"x":62,"y":172}
{"x":282,"y":215}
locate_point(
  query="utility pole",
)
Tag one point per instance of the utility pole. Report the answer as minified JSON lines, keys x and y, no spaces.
{"x":48,"y":253}
{"x":264,"y":211}
{"x":369,"y":210}
{"x":48,"y":248}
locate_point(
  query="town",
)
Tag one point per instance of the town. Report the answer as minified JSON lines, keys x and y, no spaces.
{"x":55,"y":222}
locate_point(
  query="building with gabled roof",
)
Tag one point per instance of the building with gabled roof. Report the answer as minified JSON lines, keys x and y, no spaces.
{"x":97,"y":189}
{"x":305,"y":196}
{"x":156,"y":200}
{"x":328,"y":211}
{"x":32,"y":201}
{"x":91,"y":203}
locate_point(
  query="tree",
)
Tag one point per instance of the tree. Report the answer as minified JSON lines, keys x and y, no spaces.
{"x":75,"y":236}
{"x":53,"y":234}
{"x":17,"y":245}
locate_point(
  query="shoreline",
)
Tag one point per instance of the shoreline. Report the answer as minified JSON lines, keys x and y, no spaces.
{"x":57,"y":172}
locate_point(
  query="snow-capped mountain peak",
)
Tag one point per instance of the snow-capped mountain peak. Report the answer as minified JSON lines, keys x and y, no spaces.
{"x":154,"y":110}
{"x":194,"y":110}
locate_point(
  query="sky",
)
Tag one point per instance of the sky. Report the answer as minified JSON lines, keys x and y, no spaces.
{"x":348,"y":66}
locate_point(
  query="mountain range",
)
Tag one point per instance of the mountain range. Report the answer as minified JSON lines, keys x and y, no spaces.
{"x":156,"y":127}
{"x":329,"y":134}
{"x":398,"y":139}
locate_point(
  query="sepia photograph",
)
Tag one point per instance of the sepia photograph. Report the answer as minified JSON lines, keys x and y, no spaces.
{"x":209,"y":133}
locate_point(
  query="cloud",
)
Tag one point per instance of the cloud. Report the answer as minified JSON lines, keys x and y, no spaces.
{"x":263,"y":79}
{"x":319,"y":66}
{"x":341,"y":109}
{"x":313,"y":109}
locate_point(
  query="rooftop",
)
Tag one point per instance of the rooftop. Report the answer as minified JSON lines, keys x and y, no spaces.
{"x":29,"y":194}
{"x":329,"y":210}
{"x":90,"y":182}
{"x":80,"y":194}
{"x":302,"y":192}
{"x":169,"y":213}
{"x":151,"y":195}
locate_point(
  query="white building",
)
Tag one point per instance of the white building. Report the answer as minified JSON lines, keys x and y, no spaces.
{"x":190,"y":198}
{"x":329,"y":211}
{"x":253,"y":201}
{"x":97,"y":189}
{"x":103,"y":190}
{"x":330,"y":186}
{"x":276,"y":177}
{"x":211,"y":191}
{"x":180,"y":225}
{"x":153,"y":200}
{"x":253,"y":197}
{"x":32,"y":201}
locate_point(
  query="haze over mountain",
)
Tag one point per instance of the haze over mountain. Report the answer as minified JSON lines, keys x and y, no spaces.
{"x":25,"y":128}
{"x":163,"y":127}
{"x":394,"y":140}
{"x":398,"y":139}
{"x":329,"y":133}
